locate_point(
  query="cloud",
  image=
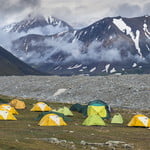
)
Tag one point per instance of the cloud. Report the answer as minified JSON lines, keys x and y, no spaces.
{"x":7,"y":38}
{"x":62,"y":51}
{"x":127,"y":10}
{"x":76,"y":12}
{"x":132,"y":10}
{"x":66,"y":50}
{"x":11,"y":10}
{"x":146,"y":9}
{"x":4,"y":42}
{"x":10,"y":7}
{"x":59,"y":51}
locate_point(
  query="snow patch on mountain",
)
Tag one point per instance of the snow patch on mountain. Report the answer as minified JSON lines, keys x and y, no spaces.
{"x":106,"y":68}
{"x":85,"y":67}
{"x":134,"y":65}
{"x":145,"y":28}
{"x":93,"y":69}
{"x":112,"y":70}
{"x":148,"y":47}
{"x":136,"y":41}
{"x":109,"y":27}
{"x":81,"y":70}
{"x":75,"y":66}
{"x":123,"y":27}
{"x":127,"y":30}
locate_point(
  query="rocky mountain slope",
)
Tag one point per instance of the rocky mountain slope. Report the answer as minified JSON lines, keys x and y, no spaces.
{"x":110,"y":45}
{"x":10,"y":65}
{"x":130,"y":91}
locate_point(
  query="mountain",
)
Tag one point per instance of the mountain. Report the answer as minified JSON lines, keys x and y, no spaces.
{"x":110,"y":45}
{"x":38,"y":24}
{"x":10,"y":65}
{"x":110,"y":31}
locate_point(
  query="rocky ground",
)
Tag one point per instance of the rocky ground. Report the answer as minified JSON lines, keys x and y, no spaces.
{"x":130,"y":91}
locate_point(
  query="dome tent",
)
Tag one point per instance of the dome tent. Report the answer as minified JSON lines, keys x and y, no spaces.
{"x":52,"y":120}
{"x":98,"y":107}
{"x":17,"y":104}
{"x":41,"y":106}
{"x":42,"y":114}
{"x":93,"y":120}
{"x":6,"y":115}
{"x":66,"y":111}
{"x":79,"y":108}
{"x":9,"y":108}
{"x":139,"y":120}
{"x":117,"y":118}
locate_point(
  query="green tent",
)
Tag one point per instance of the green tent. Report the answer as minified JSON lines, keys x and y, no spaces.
{"x":98,"y":103}
{"x":76,"y":107}
{"x":79,"y":108}
{"x":117,"y":118}
{"x":52,"y":112}
{"x":66,"y":111}
{"x":84,"y":110}
{"x":93,"y":120}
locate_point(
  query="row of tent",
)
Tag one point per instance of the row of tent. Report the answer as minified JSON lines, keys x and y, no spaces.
{"x":95,"y":111}
{"x":138,"y":120}
{"x":43,"y":107}
{"x":97,"y":107}
{"x":7,"y":111}
{"x":51,"y":117}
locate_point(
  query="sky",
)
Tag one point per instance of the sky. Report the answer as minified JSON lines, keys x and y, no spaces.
{"x":77,"y":13}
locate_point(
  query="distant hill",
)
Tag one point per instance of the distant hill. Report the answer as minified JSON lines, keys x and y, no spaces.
{"x":10,"y":65}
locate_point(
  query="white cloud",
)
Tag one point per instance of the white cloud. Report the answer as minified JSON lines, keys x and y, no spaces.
{"x":75,"y":12}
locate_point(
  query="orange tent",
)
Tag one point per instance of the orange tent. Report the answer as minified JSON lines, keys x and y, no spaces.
{"x":18,"y":104}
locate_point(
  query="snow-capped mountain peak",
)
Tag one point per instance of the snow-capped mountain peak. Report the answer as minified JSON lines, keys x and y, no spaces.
{"x":38,"y":24}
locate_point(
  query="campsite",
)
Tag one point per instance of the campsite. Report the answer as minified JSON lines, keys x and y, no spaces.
{"x":74,"y":75}
{"x":25,"y":133}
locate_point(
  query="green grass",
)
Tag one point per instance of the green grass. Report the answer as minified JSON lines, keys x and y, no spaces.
{"x":25,"y":134}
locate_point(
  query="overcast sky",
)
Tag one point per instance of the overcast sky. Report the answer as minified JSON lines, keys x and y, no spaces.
{"x":76,"y":12}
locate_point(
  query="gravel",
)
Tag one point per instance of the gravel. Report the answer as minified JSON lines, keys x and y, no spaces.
{"x":129,"y":91}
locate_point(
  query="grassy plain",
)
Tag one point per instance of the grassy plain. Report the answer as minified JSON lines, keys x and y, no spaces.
{"x":25,"y":134}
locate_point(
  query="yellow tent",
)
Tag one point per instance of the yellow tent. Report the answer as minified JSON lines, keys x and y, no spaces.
{"x":9,"y":108}
{"x":98,"y":107}
{"x":41,"y":106}
{"x":139,"y":121}
{"x":18,"y":104}
{"x":97,"y":110}
{"x":6,"y":115}
{"x":52,"y":120}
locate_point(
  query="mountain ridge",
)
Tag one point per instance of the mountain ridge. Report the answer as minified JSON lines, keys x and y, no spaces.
{"x":11,"y":65}
{"x":38,"y":23}
{"x":111,"y":45}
